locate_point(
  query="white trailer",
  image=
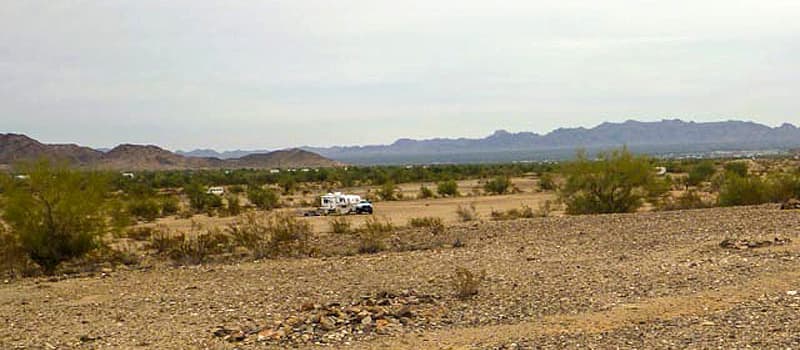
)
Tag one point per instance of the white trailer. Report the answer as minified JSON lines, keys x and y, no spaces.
{"x":341,"y":204}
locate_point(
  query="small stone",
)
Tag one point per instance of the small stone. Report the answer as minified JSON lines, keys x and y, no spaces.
{"x":708,"y":324}
{"x":791,"y":293}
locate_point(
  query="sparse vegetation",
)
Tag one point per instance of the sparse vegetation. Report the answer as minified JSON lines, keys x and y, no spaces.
{"x":435,"y":224}
{"x":524,"y":212}
{"x":373,"y":235}
{"x":341,"y":225}
{"x":278,"y":234}
{"x":467,"y":213}
{"x":466,"y":283}
{"x":700,"y":173}
{"x":388,"y":191}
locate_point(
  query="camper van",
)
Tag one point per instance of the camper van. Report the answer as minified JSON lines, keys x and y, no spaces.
{"x":341,"y":204}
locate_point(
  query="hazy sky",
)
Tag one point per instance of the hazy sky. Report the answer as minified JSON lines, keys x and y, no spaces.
{"x":269,"y":74}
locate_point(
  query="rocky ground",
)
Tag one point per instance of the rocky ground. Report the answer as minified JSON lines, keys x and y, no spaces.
{"x":714,"y":278}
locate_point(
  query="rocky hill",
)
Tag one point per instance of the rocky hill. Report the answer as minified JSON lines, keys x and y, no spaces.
{"x":15,"y":148}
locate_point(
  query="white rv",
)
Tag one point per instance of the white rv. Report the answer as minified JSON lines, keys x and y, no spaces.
{"x":216,"y":190}
{"x":341,"y":204}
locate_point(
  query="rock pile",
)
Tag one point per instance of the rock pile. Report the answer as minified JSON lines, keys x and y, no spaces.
{"x":384,"y":313}
{"x":791,"y":204}
{"x":744,"y":243}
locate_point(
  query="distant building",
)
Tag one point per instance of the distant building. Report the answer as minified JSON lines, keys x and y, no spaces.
{"x":128,"y":175}
{"x":274,"y":171}
{"x":22,"y":177}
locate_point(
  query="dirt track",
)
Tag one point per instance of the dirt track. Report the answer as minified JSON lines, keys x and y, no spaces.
{"x":648,"y":280}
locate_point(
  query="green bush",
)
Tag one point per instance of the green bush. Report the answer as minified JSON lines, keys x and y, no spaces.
{"x":388,"y":191}
{"x":233,"y":206}
{"x":547,"y":182}
{"x":263,"y":199}
{"x":738,"y":168}
{"x":447,"y":188}
{"x":700,"y":173}
{"x":497,"y":185}
{"x":425,"y":192}
{"x":783,"y":187}
{"x":618,"y":182}
{"x":145,"y":209}
{"x":170,"y":205}
{"x":738,"y":190}
{"x":57,"y":213}
{"x":525,"y":212}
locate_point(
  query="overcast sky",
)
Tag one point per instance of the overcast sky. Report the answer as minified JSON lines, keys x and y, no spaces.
{"x":272,"y":74}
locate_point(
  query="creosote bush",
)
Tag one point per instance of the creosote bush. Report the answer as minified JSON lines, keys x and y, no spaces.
{"x":373,"y":234}
{"x":688,"y":200}
{"x":467,"y":213}
{"x":466,"y":283}
{"x":277,"y":234}
{"x":425,"y":192}
{"x":524,"y":212}
{"x":447,"y":188}
{"x":547,"y":182}
{"x":435,"y":224}
{"x":264,"y":199}
{"x":341,"y":225}
{"x":497,"y":185}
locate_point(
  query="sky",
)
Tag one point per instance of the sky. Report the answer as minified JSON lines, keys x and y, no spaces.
{"x":274,"y":74}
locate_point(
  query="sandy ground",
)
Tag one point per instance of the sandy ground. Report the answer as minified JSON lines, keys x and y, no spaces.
{"x":646,"y":280}
{"x":399,"y":212}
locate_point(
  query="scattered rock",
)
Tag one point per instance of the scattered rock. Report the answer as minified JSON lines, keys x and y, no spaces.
{"x":791,"y":204}
{"x":742,"y":244}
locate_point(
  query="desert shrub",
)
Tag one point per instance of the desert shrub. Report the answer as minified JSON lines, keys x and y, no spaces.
{"x":140,"y":233}
{"x":425,"y":192}
{"x":57,"y":214}
{"x":233,"y":206}
{"x":435,"y":224}
{"x":700,"y":173}
{"x":236,"y":189}
{"x":737,"y":168}
{"x":145,"y":209}
{"x":277,"y":234}
{"x":616,"y":183}
{"x":170,"y":205}
{"x":447,"y":188}
{"x":13,"y":260}
{"x":688,"y":200}
{"x":738,"y":190}
{"x":525,"y":212}
{"x":125,"y":253}
{"x":466,"y":283}
{"x":163,"y":241}
{"x":341,"y":225}
{"x":373,"y":234}
{"x":118,"y":214}
{"x":547,"y":182}
{"x":545,"y":209}
{"x":783,"y":187}
{"x":497,"y":185}
{"x":287,"y":234}
{"x":263,"y":199}
{"x":467,"y":213}
{"x":388,"y":191}
{"x":193,"y":249}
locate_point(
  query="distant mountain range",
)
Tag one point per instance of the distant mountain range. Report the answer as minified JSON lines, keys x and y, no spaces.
{"x":210,"y":153}
{"x":666,"y":136}
{"x":15,"y":148}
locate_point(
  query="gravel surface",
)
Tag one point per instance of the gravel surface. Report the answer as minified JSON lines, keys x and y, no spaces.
{"x":629,"y":281}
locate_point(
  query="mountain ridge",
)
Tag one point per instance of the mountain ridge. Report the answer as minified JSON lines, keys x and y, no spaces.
{"x":17,"y":147}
